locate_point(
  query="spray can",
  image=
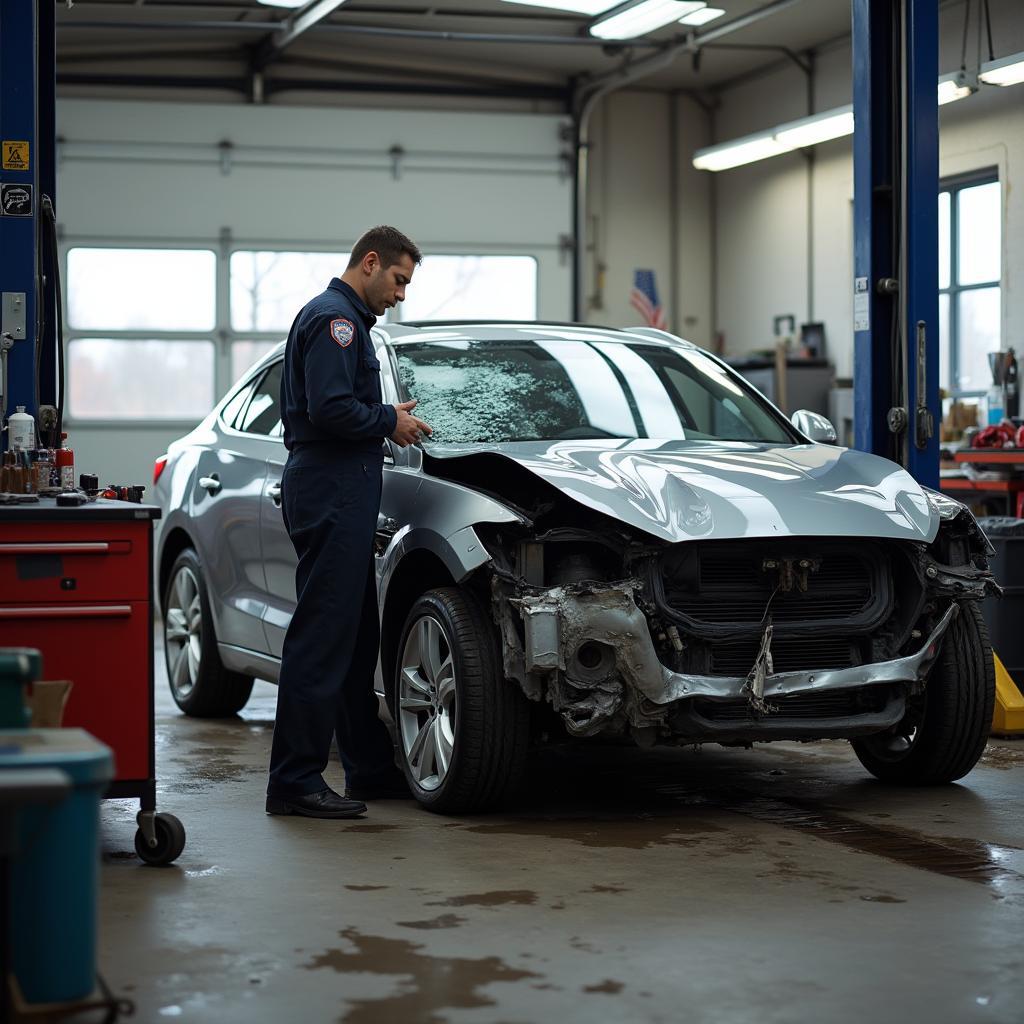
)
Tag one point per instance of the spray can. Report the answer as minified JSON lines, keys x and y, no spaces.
{"x":66,"y":465}
{"x":21,"y":428}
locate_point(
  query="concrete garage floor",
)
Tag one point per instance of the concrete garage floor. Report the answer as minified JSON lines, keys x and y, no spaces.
{"x":712,"y":885}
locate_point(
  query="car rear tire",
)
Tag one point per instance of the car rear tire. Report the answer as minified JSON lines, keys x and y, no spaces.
{"x":200,"y":684}
{"x":945,"y":730}
{"x":462,"y":728}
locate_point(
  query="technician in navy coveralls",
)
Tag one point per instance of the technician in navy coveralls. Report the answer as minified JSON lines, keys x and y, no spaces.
{"x":334,"y":429}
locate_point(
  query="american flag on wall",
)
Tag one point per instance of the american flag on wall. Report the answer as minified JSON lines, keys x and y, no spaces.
{"x":644,"y":299}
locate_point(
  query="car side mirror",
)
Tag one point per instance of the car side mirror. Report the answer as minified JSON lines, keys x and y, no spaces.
{"x":815,"y":426}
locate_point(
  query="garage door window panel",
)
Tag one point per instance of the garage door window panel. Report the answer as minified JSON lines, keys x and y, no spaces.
{"x":268,"y":288}
{"x":246,"y":354}
{"x":119,"y":378}
{"x":113,"y":289}
{"x":473,"y":287}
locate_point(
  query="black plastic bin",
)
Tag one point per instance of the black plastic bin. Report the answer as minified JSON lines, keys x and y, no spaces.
{"x":1005,"y":616}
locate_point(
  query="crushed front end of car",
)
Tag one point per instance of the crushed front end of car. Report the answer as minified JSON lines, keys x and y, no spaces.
{"x":732,"y":641}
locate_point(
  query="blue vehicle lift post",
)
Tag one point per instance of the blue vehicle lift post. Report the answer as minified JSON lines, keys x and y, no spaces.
{"x":896,"y":157}
{"x":27,"y":175}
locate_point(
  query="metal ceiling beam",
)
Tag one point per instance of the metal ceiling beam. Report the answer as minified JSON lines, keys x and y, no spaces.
{"x":296,"y":25}
{"x":240,"y":84}
{"x":262,"y":27}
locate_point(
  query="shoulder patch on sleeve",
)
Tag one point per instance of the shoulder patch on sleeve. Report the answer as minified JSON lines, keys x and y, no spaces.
{"x":343,"y":331}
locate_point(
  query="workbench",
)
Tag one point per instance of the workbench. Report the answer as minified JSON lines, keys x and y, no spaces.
{"x":1011,"y":489}
{"x":77,"y":583}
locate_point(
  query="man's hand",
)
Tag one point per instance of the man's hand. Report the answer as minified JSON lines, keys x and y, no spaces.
{"x":409,"y":429}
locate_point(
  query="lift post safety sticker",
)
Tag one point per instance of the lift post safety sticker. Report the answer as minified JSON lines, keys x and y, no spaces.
{"x":15,"y":155}
{"x":15,"y":199}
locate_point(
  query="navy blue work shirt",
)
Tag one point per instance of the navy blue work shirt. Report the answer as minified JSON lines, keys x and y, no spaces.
{"x":330,"y":388}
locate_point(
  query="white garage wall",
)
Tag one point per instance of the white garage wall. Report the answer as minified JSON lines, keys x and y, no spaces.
{"x":649,"y":209}
{"x":762,"y":209}
{"x":309,"y":179}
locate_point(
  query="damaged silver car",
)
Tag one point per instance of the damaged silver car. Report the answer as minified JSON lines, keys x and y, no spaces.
{"x":610,"y":534}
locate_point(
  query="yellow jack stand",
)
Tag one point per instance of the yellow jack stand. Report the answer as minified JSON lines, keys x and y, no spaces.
{"x":1008,"y":716}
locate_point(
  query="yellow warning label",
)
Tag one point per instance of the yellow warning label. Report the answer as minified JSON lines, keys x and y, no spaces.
{"x":15,"y":155}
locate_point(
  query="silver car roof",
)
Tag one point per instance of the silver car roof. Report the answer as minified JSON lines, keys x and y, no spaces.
{"x":495,"y":330}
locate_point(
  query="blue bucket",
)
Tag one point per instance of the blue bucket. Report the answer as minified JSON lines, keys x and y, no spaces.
{"x":55,"y":866}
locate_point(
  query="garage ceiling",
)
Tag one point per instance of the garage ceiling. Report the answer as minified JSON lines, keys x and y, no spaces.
{"x":407,"y":47}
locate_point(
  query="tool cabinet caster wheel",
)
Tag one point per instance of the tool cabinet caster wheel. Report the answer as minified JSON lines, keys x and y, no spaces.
{"x":170,"y":840}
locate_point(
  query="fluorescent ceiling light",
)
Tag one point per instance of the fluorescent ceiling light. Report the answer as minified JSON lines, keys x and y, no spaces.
{"x":642,"y":18}
{"x":284,"y":3}
{"x":955,"y":86}
{"x":809,"y":131}
{"x":702,"y":17}
{"x":591,"y":7}
{"x":1005,"y":71}
{"x":834,"y":124}
{"x":735,"y":154}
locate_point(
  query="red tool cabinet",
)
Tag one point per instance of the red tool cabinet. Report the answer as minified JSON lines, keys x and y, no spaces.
{"x":77,"y":584}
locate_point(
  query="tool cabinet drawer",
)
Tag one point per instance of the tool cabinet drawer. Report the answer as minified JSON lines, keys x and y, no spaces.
{"x":87,"y":562}
{"x":103,"y":649}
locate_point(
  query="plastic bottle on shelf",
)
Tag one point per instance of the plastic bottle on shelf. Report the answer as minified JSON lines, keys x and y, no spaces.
{"x":21,"y":429}
{"x":995,"y":405}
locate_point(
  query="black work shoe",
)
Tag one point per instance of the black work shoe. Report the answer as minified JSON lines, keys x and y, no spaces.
{"x":393,"y":788}
{"x":325,"y":804}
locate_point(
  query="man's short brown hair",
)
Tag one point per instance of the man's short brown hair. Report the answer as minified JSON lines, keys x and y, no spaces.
{"x":388,"y":243}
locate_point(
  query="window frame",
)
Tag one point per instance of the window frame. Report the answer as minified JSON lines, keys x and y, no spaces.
{"x":208,"y":336}
{"x":222,"y":334}
{"x":954,"y":185}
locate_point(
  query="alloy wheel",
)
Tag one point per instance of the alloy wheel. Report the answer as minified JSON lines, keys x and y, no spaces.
{"x":183,"y":632}
{"x":427,"y":705}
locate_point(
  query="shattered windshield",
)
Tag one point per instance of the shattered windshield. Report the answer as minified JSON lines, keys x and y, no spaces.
{"x":559,"y":388}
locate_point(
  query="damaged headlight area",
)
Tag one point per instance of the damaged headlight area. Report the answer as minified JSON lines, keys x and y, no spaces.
{"x":730,"y":641}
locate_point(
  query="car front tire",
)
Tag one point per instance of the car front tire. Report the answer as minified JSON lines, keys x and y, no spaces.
{"x":945,"y":729}
{"x":200,"y":684}
{"x":462,"y":728}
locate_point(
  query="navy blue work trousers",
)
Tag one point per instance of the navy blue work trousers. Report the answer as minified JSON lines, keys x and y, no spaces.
{"x":330,"y":502}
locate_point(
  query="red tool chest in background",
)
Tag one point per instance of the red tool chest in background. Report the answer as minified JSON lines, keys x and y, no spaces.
{"x":76,"y":583}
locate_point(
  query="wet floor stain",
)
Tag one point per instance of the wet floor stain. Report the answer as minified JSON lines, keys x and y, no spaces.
{"x":964,"y":859}
{"x":607,"y":888}
{"x":428,"y":984}
{"x":628,"y":833}
{"x":500,"y":898}
{"x":365,"y":888}
{"x":205,"y":766}
{"x":882,"y":899}
{"x":607,"y":987}
{"x":442,"y":921}
{"x":1003,"y":758}
{"x":372,"y":828}
{"x":209,"y":872}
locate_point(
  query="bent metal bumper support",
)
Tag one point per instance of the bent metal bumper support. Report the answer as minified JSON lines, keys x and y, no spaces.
{"x":562,"y":619}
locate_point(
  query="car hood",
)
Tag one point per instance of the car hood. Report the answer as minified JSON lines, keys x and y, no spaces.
{"x":683,"y":490}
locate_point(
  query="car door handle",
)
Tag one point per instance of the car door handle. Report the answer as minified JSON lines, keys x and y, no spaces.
{"x":274,"y":493}
{"x":211,"y":483}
